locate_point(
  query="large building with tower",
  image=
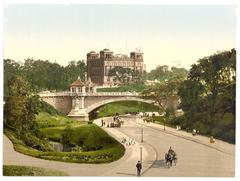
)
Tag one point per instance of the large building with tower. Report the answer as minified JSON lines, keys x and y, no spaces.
{"x":99,"y":65}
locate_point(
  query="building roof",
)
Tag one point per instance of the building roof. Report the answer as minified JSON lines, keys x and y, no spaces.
{"x":92,"y":52}
{"x":106,"y":50}
{"x":77,"y":83}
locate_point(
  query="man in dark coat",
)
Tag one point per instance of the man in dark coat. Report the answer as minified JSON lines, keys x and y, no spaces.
{"x":139,"y":168}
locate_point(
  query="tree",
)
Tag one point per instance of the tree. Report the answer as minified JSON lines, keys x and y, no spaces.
{"x":121,"y":75}
{"x":163,"y":73}
{"x":43,"y":74}
{"x":11,"y":68}
{"x":163,"y":93}
{"x":125,"y":76}
{"x":208,"y":95}
{"x":20,"y":107}
{"x":73,"y":70}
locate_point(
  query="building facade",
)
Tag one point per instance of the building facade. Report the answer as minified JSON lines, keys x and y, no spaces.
{"x":99,"y":65}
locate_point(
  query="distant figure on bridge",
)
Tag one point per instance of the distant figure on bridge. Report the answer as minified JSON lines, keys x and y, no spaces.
{"x":139,"y":168}
{"x":102,"y":123}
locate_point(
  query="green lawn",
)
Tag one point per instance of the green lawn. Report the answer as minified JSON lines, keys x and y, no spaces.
{"x":47,"y":120}
{"x":123,"y":107}
{"x":88,"y":135}
{"x":13,"y":170}
{"x":96,"y":145}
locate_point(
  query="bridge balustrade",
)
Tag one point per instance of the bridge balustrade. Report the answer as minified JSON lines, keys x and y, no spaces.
{"x":68,"y":93}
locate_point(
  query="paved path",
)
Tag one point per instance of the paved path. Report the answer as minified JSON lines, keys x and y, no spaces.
{"x":218,"y":145}
{"x":122,"y":167}
{"x":196,"y":156}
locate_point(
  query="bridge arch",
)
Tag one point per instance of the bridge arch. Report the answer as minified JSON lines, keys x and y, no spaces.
{"x":117,"y":99}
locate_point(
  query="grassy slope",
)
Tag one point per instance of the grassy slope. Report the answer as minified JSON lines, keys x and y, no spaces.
{"x":52,"y":127}
{"x":12,"y":170}
{"x":45,"y":120}
{"x":90,"y":134}
{"x":125,"y":107}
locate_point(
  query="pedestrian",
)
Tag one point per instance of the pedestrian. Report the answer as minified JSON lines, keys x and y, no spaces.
{"x":139,"y":168}
{"x":101,"y":122}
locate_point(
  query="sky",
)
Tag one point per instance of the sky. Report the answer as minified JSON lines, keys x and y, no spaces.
{"x":174,"y":35}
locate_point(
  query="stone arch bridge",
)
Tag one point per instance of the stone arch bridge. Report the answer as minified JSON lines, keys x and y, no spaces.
{"x":79,"y":105}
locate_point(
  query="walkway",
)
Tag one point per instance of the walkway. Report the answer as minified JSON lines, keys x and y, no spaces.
{"x":122,"y":167}
{"x":218,"y":145}
{"x":196,"y":156}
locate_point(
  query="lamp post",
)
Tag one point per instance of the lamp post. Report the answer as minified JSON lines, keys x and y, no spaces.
{"x":142,"y":134}
{"x":141,"y":154}
{"x":164,"y":125}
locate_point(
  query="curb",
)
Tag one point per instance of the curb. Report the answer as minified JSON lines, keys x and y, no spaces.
{"x":187,"y":138}
{"x":154,"y":149}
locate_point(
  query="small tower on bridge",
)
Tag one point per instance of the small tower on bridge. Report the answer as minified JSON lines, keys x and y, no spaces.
{"x":78,"y":93}
{"x":77,"y":86}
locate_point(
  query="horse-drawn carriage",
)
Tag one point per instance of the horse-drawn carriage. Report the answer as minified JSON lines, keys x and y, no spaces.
{"x":170,"y":158}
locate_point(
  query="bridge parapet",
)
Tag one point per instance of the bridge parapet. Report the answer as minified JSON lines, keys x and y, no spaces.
{"x":54,"y":94}
{"x":113,"y":94}
{"x":68,"y":93}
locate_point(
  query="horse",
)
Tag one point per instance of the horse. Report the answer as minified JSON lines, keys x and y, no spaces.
{"x":174,"y":158}
{"x":168,"y":159}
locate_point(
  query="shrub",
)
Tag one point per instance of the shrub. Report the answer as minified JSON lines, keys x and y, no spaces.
{"x":34,"y":142}
{"x":45,"y":107}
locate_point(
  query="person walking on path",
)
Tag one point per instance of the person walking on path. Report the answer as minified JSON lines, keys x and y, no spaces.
{"x":139,"y":168}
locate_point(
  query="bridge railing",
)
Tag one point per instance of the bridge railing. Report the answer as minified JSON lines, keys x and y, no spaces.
{"x":68,"y":93}
{"x":53,"y":94}
{"x":112,"y":94}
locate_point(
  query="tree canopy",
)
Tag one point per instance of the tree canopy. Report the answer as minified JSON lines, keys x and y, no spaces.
{"x":43,"y":74}
{"x":163,"y":73}
{"x":20,"y":106}
{"x":163,"y":93}
{"x":208,"y":95}
{"x":126,"y":76}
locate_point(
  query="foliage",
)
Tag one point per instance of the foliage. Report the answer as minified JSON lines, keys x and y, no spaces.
{"x":43,"y":75}
{"x":109,"y":153}
{"x":11,"y":69}
{"x":45,"y":119}
{"x":93,"y":144}
{"x":208,"y":96}
{"x":13,"y":170}
{"x":20,"y":107}
{"x":163,"y":93}
{"x":162,"y":73}
{"x":44,"y":107}
{"x":123,"y":107}
{"x":125,"y":76}
{"x":66,"y":135}
{"x":88,"y":136}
